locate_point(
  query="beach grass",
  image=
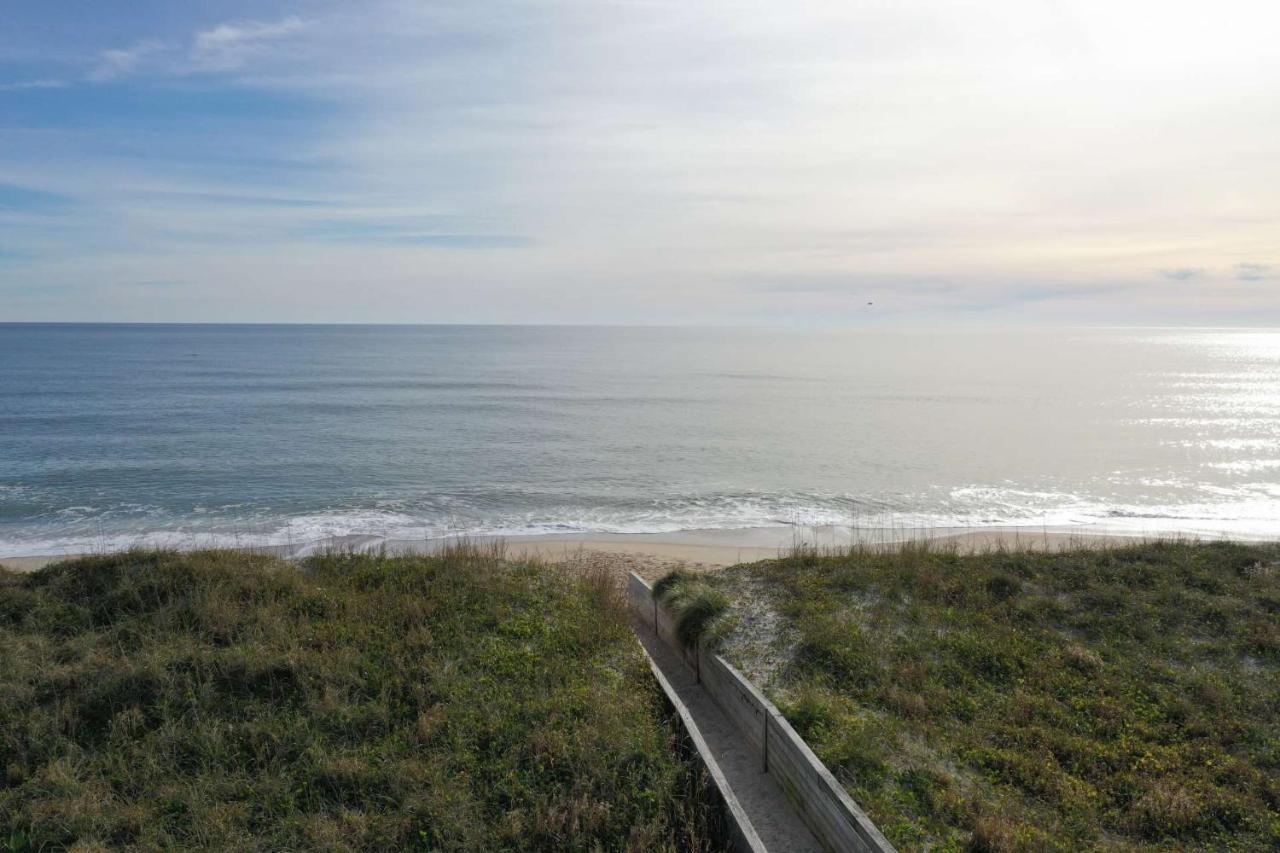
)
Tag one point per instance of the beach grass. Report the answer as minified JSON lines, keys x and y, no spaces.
{"x":698,"y":608}
{"x":225,"y":700}
{"x":1112,"y":698}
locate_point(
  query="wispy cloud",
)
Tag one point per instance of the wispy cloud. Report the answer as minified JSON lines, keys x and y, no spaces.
{"x":1182,"y":273}
{"x":1257,"y":272}
{"x":119,"y":62}
{"x":27,"y":85}
{"x":230,"y":46}
{"x":227,"y":47}
{"x":19,"y":198}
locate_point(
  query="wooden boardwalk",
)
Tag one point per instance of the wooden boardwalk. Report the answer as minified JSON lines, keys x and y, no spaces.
{"x":775,"y":824}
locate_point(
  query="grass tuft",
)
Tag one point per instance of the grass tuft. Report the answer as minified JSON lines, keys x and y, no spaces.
{"x":665,"y":586}
{"x":697,"y":608}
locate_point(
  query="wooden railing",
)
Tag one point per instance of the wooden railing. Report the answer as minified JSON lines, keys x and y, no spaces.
{"x":827,"y":809}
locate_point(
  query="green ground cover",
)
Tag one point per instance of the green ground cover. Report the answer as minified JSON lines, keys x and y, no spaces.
{"x":221,"y":700}
{"x":1122,"y":698}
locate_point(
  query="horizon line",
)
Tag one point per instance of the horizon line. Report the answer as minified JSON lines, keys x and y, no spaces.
{"x":607,"y":325}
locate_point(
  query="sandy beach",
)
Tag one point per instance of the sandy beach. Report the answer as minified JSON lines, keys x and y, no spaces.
{"x":700,"y":549}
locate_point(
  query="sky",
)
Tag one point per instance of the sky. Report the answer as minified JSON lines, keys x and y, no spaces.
{"x":585,"y":161}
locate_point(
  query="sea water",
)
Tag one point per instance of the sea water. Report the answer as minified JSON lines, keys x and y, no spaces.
{"x":115,"y":435}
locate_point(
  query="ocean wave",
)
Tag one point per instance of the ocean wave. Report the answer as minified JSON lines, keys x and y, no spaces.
{"x":1247,"y":511}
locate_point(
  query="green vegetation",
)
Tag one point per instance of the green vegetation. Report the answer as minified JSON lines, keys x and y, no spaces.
{"x":1124,"y":698}
{"x":697,"y":608}
{"x":223,"y":700}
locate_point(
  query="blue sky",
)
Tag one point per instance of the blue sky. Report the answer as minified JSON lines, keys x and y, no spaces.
{"x":643,"y":161}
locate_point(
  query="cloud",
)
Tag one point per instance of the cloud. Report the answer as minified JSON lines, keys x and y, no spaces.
{"x":228,"y":47}
{"x":15,"y":197}
{"x":1182,"y":273}
{"x":1256,"y":272}
{"x":116,"y":63}
{"x":433,"y":234}
{"x":648,"y":158}
{"x":27,"y":85}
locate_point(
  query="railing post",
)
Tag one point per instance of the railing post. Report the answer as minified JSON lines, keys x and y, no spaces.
{"x":765,"y":750}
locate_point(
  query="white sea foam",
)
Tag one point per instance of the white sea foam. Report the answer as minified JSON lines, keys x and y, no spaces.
{"x":1253,"y":511}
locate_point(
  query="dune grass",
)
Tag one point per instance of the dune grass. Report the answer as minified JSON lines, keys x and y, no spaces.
{"x":699,"y":610}
{"x":224,"y":700}
{"x":1119,"y":698}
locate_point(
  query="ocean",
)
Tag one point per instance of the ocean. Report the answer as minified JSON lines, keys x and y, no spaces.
{"x":188,"y":435}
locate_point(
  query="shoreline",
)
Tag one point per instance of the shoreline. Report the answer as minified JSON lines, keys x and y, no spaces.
{"x":709,"y":549}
